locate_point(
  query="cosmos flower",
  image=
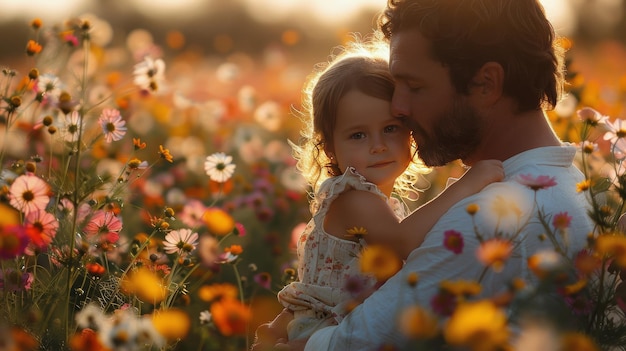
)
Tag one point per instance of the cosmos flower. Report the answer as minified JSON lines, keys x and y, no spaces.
{"x":453,"y":241}
{"x":43,"y":227}
{"x":105,"y":226}
{"x":29,"y":193}
{"x":219,"y":167}
{"x":13,"y":241}
{"x":73,"y":125}
{"x":181,"y":241}
{"x":379,"y":261}
{"x":149,"y":74}
{"x":113,"y":126}
{"x":536,"y":183}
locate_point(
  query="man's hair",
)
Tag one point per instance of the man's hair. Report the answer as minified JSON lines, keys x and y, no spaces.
{"x":466,"y":34}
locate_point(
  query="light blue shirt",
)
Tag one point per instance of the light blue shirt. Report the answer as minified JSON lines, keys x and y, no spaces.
{"x":506,"y":206}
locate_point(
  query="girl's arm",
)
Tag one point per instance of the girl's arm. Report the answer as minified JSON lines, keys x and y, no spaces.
{"x":362,"y":209}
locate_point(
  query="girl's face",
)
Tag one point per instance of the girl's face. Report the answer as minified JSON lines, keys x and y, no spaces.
{"x":368,"y":138}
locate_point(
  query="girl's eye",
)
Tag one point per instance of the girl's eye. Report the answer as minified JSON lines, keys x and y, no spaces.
{"x":357,"y":135}
{"x":391,"y":128}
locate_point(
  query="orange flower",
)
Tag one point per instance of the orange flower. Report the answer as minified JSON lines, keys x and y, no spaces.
{"x":612,"y":245}
{"x":577,"y":342}
{"x":218,"y":221}
{"x":234,"y":249}
{"x":418,"y":323}
{"x":380,"y":261}
{"x":86,"y":340}
{"x":216,"y":292}
{"x":230,"y":316}
{"x":138,"y":144}
{"x":165,"y":154}
{"x":494,"y":252}
{"x":547,"y":263}
{"x":461,"y":287}
{"x":33,"y":48}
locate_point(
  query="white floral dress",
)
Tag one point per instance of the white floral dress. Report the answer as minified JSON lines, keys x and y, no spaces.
{"x":326,"y":263}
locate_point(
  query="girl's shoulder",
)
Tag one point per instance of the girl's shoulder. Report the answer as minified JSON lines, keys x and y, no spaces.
{"x":331,"y":188}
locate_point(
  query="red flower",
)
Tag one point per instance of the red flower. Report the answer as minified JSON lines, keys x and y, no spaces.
{"x":453,"y":241}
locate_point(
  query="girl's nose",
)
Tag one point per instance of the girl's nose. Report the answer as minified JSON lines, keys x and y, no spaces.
{"x":378,"y":145}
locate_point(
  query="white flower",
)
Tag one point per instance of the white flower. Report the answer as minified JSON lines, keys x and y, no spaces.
{"x":180,"y":241}
{"x":73,"y":125}
{"x":205,"y":317}
{"x":219,"y":167}
{"x":149,"y":73}
{"x":49,"y":85}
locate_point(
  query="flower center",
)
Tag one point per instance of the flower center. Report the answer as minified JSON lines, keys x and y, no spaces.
{"x":28,"y":196}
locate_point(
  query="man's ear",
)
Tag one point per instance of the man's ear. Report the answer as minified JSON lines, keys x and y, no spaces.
{"x":489,"y":81}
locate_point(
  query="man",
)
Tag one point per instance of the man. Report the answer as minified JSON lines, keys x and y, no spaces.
{"x":473,"y":78}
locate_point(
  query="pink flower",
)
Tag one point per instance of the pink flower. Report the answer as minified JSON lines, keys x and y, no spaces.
{"x":208,"y":250}
{"x":14,"y":281}
{"x":42,"y":227}
{"x":192,"y":212}
{"x":29,"y":193}
{"x":561,"y":221}
{"x":264,"y":279}
{"x":240,"y":229}
{"x":453,"y":241}
{"x":536,"y":183}
{"x":105,"y":226}
{"x":13,"y":241}
{"x":113,"y":126}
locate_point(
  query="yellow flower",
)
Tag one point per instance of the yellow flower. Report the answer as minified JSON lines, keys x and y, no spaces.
{"x":577,"y":342}
{"x":146,"y":285}
{"x":380,"y":261}
{"x":612,"y":245}
{"x":412,"y":279}
{"x":472,"y":209}
{"x":215,"y":292}
{"x":356,"y":231}
{"x":218,"y":221}
{"x":461,"y":287}
{"x":583,"y":186}
{"x":480,"y":326}
{"x":418,"y":323}
{"x":172,"y":324}
{"x":575,"y":287}
{"x":494,"y":253}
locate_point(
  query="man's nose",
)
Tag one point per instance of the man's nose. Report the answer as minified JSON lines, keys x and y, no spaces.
{"x":400,"y":104}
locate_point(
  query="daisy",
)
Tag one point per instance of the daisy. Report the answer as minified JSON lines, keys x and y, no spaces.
{"x":192,"y":212}
{"x":112,"y":125}
{"x":48,"y":86}
{"x":219,"y":167}
{"x":104,"y":225}
{"x":29,"y":193}
{"x":73,"y":125}
{"x":149,"y":74}
{"x":180,"y":241}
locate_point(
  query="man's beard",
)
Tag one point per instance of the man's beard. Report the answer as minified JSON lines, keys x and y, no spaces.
{"x":456,"y":134}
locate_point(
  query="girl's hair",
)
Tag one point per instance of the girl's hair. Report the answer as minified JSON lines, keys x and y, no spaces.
{"x":360,"y":65}
{"x":465,"y":34}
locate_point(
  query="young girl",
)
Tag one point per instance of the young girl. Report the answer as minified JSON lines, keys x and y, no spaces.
{"x":354,"y":154}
